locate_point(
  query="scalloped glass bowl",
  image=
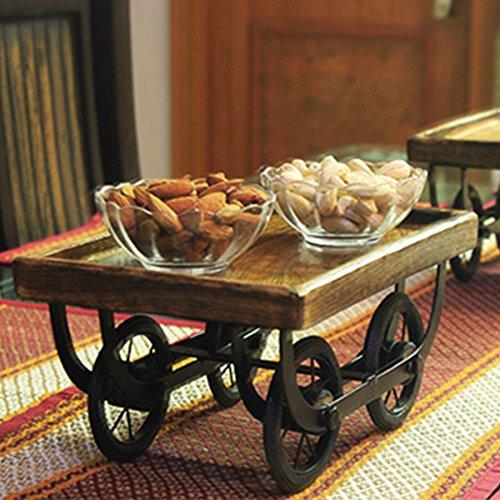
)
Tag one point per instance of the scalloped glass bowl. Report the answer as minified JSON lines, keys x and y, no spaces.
{"x":330,"y":233}
{"x":135,"y":230}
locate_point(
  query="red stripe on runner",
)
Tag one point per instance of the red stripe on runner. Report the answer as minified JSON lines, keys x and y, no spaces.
{"x":25,"y":417}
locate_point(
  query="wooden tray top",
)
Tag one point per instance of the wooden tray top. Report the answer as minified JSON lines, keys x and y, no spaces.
{"x":471,"y":140}
{"x":279,"y":282}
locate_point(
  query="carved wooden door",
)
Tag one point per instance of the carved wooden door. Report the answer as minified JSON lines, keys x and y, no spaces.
{"x":255,"y":81}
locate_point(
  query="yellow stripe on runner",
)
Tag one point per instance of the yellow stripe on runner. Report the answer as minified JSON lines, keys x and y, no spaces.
{"x":469,"y":472}
{"x":433,"y":397}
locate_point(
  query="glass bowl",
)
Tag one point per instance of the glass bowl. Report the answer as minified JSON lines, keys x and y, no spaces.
{"x":205,"y":242}
{"x":330,"y":212}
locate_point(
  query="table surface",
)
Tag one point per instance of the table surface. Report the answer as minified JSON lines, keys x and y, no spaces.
{"x":471,"y":140}
{"x":279,"y":282}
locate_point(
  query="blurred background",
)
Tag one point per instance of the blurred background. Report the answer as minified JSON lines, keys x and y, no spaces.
{"x":233,"y":84}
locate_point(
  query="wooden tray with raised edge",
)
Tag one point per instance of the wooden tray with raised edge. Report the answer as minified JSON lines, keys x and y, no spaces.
{"x":279,"y":282}
{"x":471,"y":140}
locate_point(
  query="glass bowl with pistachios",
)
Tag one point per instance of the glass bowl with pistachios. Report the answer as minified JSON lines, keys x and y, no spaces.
{"x":344,"y":204}
{"x":189,"y":226}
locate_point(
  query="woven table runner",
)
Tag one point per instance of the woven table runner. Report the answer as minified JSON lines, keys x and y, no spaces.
{"x":449,"y":439}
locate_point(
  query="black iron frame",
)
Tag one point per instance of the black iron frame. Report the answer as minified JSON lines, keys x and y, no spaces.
{"x":220,"y":344}
{"x":489,"y":219}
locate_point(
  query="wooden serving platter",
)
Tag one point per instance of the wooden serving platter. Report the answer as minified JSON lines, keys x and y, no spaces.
{"x":279,"y":282}
{"x":471,"y":140}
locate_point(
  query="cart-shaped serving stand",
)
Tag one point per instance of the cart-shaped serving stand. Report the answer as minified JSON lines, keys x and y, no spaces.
{"x":465,"y":142}
{"x":278,"y":283}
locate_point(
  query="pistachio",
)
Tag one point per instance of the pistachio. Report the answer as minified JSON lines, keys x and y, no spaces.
{"x":306,"y":188}
{"x":326,"y":201}
{"x":358,"y":165}
{"x":334,"y":224}
{"x":300,"y":165}
{"x":344,"y":202}
{"x":358,"y":176}
{"x":397,"y":169}
{"x":301,"y":206}
{"x":289,"y":173}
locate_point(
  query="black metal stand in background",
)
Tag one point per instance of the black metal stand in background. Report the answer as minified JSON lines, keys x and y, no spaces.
{"x":465,"y":265}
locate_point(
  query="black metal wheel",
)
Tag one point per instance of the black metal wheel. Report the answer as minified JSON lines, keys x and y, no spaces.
{"x":395,"y":331}
{"x":296,"y":457}
{"x":126,"y":403}
{"x":465,"y":265}
{"x":223,"y":381}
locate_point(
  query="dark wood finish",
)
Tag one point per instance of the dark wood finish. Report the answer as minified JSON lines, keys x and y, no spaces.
{"x":471,"y":140}
{"x":112,"y":69}
{"x":49,"y":157}
{"x":277,"y":283}
{"x":255,"y":81}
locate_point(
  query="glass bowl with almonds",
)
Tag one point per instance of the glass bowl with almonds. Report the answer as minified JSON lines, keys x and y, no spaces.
{"x":344,"y":204}
{"x":183,"y":225}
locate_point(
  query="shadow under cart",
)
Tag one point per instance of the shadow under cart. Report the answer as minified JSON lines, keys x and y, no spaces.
{"x":471,"y":141}
{"x":137,"y":369}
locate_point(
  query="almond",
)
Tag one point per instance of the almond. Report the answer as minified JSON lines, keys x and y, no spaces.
{"x":191,"y":220}
{"x":196,"y":250}
{"x":213,"y":231}
{"x":212,"y":202}
{"x":216,"y":177}
{"x":182,"y":204}
{"x":120,"y":199}
{"x":164,"y":216}
{"x":218,"y":248}
{"x":223,"y":187}
{"x":141,"y":196}
{"x":200,"y":186}
{"x":245,"y":223}
{"x":172,"y":188}
{"x":248,"y":195}
{"x":237,"y":203}
{"x":166,"y":243}
{"x":146,"y":235}
{"x":128,"y":190}
{"x":227,"y":214}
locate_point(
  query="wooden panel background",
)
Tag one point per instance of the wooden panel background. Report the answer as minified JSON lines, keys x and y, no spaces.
{"x":256,"y":81}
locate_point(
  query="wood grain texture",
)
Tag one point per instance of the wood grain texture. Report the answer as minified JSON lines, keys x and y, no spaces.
{"x":48,"y":149}
{"x":470,"y":140}
{"x":313,"y":78}
{"x":256,"y":81}
{"x":279,"y":282}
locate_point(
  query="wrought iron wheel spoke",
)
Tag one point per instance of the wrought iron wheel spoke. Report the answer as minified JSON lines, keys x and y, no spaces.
{"x":117,"y":421}
{"x":284,"y":433}
{"x":387,"y":397}
{"x":310,"y":446}
{"x":312,"y":372}
{"x":129,"y":352}
{"x":396,"y":396}
{"x":129,"y":425}
{"x":299,"y":449}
